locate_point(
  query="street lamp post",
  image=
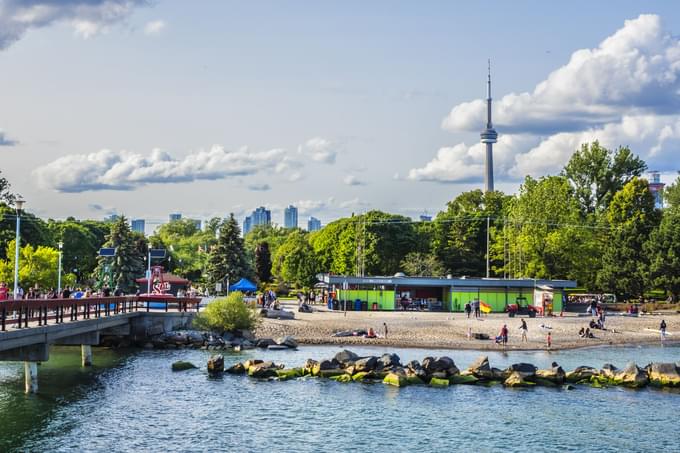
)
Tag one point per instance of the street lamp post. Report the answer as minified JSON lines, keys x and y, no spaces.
{"x":61,"y":246}
{"x":18,"y":204}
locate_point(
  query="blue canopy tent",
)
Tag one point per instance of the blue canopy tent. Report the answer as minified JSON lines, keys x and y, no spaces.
{"x":243,"y":285}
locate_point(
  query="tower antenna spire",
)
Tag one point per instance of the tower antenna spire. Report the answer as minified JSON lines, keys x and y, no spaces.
{"x":488,"y":135}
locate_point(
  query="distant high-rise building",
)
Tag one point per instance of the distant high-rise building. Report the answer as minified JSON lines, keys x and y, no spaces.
{"x":656,"y":187}
{"x":425,"y":218}
{"x":197,"y":222}
{"x":111,"y":218}
{"x":247,"y":225}
{"x":138,"y":225}
{"x":290,"y":217}
{"x":175,"y":216}
{"x":261,"y":216}
{"x":313,"y":224}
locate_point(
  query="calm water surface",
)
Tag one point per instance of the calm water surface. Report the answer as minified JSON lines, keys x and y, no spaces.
{"x":132,"y":401}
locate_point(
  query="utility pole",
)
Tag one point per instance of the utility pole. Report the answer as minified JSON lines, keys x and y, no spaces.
{"x":487,"y":246}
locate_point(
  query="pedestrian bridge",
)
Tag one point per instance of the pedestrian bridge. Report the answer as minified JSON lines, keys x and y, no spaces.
{"x":29,"y":327}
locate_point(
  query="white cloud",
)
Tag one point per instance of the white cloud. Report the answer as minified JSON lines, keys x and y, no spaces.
{"x":634,"y":71}
{"x":87,"y":17}
{"x":352,"y":180}
{"x":625,"y":92}
{"x":353,"y":203}
{"x":320,"y":150}
{"x":124,"y":170}
{"x":154,"y":27}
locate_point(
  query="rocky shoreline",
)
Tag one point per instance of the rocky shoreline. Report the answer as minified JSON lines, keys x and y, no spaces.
{"x":347,"y":366}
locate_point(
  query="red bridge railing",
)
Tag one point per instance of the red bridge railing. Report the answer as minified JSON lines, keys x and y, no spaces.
{"x":22,"y":312}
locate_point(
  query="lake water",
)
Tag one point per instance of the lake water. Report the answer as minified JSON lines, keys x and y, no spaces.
{"x":132,"y":401}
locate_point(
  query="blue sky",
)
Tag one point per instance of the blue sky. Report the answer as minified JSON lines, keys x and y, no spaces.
{"x":214,"y":107}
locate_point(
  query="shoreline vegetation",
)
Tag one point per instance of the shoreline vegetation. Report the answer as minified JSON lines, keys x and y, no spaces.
{"x":444,"y":330}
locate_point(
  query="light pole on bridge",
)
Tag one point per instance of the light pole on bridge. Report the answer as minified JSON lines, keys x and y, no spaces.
{"x":18,"y":204}
{"x":61,"y":246}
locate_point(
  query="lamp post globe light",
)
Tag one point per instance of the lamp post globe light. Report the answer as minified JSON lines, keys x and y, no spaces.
{"x":18,"y":204}
{"x":61,"y":246}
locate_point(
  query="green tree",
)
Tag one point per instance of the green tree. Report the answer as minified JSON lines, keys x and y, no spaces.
{"x":671,"y":194}
{"x":227,"y":314}
{"x":631,"y":218}
{"x":263,"y":262}
{"x":418,"y":264}
{"x":6,"y":196}
{"x":663,"y":250}
{"x":33,"y":229}
{"x":38,"y":266}
{"x":80,"y":245}
{"x":546,"y":235}
{"x":295,"y":261}
{"x":128,"y":262}
{"x":597,"y":173}
{"x":460,"y":233}
{"x":227,"y":259}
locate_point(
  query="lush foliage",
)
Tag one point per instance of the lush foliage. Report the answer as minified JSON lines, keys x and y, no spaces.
{"x":295,"y":261}
{"x":38,"y":267}
{"x":121,"y":270}
{"x":227,"y":259}
{"x":263,"y":262}
{"x":227,"y":314}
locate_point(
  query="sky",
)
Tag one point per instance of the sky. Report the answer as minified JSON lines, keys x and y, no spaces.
{"x":144,"y":108}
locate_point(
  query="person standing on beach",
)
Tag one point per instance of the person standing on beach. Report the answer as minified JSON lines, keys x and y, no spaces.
{"x":385,"y":328}
{"x":662,"y":329}
{"x":524,"y":330}
{"x":468,"y":309}
{"x":504,"y":335}
{"x":549,"y":340}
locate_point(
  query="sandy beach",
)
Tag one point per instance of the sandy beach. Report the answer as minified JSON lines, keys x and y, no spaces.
{"x":449,"y":330}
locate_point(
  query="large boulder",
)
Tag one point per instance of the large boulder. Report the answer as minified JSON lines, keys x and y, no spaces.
{"x":414,"y":368}
{"x":609,"y":371}
{"x":216,"y":364}
{"x":517,"y":380}
{"x":365,"y":364}
{"x":581,"y":373}
{"x":287,"y":341}
{"x":264,"y":370}
{"x":632,"y":376}
{"x":236,"y":368}
{"x":663,"y":374}
{"x":182,"y":365}
{"x":324,"y":365}
{"x":396,"y":379}
{"x":440,"y":364}
{"x":437,"y":382}
{"x":291,"y":373}
{"x":264,"y":343}
{"x":308,"y":367}
{"x":389,"y":361}
{"x":246,"y":334}
{"x":555,"y":374}
{"x":526,"y":370}
{"x":480,"y":368}
{"x":345,"y":358}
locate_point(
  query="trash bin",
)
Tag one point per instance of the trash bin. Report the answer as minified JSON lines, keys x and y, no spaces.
{"x":357,"y":305}
{"x":364,"y":305}
{"x":374,"y":307}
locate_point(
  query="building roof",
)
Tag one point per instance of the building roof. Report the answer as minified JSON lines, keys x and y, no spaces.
{"x":443,"y":281}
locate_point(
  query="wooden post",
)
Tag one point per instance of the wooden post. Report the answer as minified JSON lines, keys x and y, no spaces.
{"x":31,"y":376}
{"x":86,"y":354}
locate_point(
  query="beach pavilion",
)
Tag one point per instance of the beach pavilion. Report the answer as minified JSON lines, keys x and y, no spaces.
{"x":446,"y":293}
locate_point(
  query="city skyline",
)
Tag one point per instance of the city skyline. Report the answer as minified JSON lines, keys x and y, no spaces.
{"x":401,"y":136}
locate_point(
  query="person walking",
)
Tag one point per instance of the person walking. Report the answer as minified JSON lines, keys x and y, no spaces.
{"x":476,"y":307}
{"x":549,"y":340}
{"x":524,"y":330}
{"x":662,"y":329}
{"x":385,"y":329}
{"x":468,"y":309}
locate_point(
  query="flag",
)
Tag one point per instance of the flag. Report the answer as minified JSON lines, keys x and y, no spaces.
{"x":483,"y":306}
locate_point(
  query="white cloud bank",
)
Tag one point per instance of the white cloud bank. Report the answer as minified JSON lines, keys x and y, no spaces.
{"x":320,"y":150}
{"x":624,"y":92}
{"x":87,"y":17}
{"x":124,"y":170}
{"x":154,"y":28}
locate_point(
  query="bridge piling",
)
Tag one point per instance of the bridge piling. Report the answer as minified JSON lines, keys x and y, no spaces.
{"x":31,"y":376}
{"x":86,"y":354}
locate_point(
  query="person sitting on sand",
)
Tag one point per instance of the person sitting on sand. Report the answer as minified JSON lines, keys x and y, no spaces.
{"x":582,"y":332}
{"x":593,"y":324}
{"x":371,"y":333}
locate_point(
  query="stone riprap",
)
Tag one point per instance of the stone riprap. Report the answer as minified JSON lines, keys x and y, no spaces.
{"x":440,"y":372}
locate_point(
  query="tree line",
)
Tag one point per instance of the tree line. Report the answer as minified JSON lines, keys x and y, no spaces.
{"x":595,"y":222}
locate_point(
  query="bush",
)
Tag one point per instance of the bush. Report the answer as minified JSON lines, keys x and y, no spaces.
{"x":227,"y":314}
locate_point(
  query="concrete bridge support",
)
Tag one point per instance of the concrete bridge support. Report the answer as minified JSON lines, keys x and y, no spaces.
{"x":86,"y":354}
{"x":31,"y":376}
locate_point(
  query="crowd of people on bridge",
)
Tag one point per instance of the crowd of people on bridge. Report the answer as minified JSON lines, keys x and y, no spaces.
{"x":67,"y":292}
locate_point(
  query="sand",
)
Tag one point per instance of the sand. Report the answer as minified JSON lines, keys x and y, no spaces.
{"x":449,"y":330}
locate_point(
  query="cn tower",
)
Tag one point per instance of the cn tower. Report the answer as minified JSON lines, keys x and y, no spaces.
{"x":489,"y":136}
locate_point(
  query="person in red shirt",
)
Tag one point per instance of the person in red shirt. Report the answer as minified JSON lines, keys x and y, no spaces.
{"x":3,"y":291}
{"x":504,"y":335}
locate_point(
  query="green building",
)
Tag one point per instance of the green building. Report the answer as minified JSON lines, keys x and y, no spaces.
{"x":446,"y":294}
